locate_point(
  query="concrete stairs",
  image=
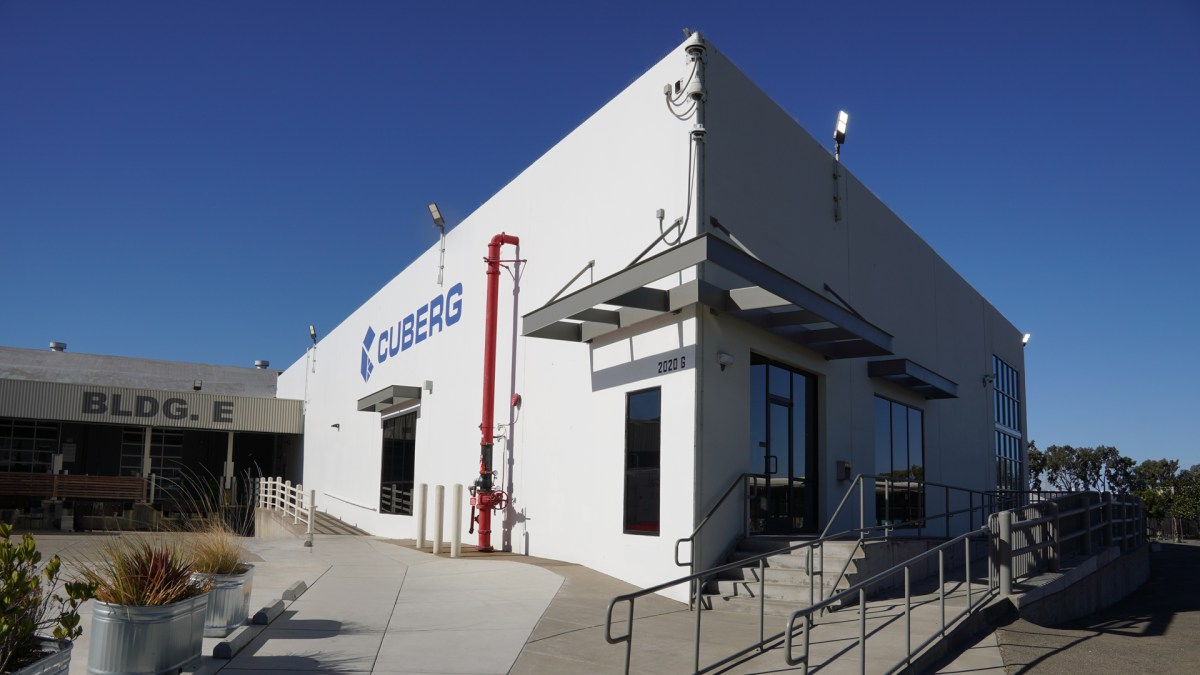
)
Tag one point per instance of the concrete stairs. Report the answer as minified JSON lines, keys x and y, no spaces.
{"x":787,"y":580}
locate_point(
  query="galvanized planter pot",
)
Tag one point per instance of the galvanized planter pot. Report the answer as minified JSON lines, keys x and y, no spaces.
{"x":228,"y":602}
{"x":156,"y":640}
{"x":56,"y":663}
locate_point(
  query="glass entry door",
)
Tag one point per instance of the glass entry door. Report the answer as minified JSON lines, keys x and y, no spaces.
{"x":782,"y":452}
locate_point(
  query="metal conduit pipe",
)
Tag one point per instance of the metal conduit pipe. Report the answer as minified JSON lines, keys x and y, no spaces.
{"x":483,"y":496}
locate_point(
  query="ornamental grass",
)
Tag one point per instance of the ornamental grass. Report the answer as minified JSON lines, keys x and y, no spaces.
{"x":217,"y":550}
{"x":143,"y":572}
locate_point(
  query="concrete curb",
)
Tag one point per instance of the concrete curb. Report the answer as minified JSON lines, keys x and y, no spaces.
{"x":295,"y":590}
{"x":267,"y":614}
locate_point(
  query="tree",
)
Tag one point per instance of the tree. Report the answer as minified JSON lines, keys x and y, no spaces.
{"x":1155,"y":473}
{"x":1100,"y":468}
{"x":1037,"y":465}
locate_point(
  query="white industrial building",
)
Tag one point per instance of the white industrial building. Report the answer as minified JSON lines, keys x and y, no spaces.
{"x":788,"y":326}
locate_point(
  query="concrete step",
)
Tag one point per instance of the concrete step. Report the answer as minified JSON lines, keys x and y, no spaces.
{"x":748,"y":605}
{"x":727,"y":588}
{"x":780,"y":575}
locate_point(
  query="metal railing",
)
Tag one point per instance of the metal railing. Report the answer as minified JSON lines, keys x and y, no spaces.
{"x":983,"y":502}
{"x":277,"y":494}
{"x":698,"y":580}
{"x":1031,"y":539}
{"x":814,"y":551}
{"x":859,"y":590}
{"x":393,"y":499}
{"x":691,"y":539}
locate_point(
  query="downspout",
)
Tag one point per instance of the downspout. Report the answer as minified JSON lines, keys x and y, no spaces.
{"x":483,"y":496}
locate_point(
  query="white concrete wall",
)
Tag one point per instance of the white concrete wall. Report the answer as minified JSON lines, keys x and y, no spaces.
{"x":593,"y":196}
{"x":771,"y":184}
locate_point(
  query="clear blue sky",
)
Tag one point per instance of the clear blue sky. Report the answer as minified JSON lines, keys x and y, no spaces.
{"x":163,"y":165}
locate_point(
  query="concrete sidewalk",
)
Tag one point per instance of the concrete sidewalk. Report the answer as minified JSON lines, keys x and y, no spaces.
{"x":377,"y":606}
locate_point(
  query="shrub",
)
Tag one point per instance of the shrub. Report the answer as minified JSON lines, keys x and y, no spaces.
{"x":30,"y":601}
{"x":143,"y":572}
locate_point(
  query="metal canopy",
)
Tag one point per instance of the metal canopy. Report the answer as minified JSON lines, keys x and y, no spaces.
{"x":770,"y":300}
{"x":916,"y":377}
{"x":390,"y":397}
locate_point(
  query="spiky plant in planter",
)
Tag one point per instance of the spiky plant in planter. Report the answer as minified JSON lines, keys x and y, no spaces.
{"x":142,"y":572}
{"x":220,"y":557}
{"x":31,"y":602}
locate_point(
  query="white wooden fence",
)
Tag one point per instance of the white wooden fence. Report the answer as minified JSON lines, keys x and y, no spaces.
{"x":279,"y":495}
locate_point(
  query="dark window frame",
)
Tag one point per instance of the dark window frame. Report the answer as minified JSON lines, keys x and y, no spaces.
{"x":635,"y":475}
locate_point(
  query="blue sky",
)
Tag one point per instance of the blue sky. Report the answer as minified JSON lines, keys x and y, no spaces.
{"x":163,"y":165}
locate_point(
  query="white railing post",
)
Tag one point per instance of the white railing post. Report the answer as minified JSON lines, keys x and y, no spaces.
{"x":439,"y":499}
{"x":312,"y":515}
{"x":420,"y":509}
{"x":299,"y":503}
{"x":456,"y":526}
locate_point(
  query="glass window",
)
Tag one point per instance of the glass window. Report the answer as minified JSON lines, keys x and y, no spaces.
{"x":27,"y":446}
{"x":899,"y":464}
{"x":643,"y":412}
{"x":1006,"y":405}
{"x":396,"y":468}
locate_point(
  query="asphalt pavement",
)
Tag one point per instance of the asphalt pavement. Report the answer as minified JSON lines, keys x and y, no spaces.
{"x":1156,"y":629}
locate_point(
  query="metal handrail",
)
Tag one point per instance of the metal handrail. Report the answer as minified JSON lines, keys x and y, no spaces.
{"x":699,"y":578}
{"x":860,"y":589}
{"x":859,"y":482}
{"x":741,"y":479}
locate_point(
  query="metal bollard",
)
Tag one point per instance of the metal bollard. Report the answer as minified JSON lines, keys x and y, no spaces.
{"x":456,"y":527}
{"x":439,"y":499}
{"x":1005,"y":553}
{"x":421,"y":513}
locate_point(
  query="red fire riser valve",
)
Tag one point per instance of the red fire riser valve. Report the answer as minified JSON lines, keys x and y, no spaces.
{"x":484,"y":497}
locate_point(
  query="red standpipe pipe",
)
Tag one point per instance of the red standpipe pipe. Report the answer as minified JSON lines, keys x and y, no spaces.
{"x":486,"y":498}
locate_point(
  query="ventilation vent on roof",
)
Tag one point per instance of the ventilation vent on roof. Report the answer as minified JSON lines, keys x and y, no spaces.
{"x":58,"y":346}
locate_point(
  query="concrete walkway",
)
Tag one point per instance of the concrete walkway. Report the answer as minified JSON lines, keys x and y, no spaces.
{"x":377,"y":606}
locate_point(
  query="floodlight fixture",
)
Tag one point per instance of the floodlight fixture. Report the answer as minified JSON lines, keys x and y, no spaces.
{"x":312,"y":333}
{"x":839,"y":132}
{"x":438,"y":221}
{"x":1025,"y":339}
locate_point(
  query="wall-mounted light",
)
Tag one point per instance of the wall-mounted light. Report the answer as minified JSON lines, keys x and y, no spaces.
{"x":436,"y":214}
{"x":428,"y":386}
{"x":312,"y":333}
{"x":839,"y":131}
{"x":1025,"y":339}
{"x":988,"y":380}
{"x":336,"y":426}
{"x":724,"y":359}
{"x":197,"y":385}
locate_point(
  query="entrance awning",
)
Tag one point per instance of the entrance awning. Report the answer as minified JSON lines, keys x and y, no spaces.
{"x":390,"y":397}
{"x":764,"y":296}
{"x":914,"y":376}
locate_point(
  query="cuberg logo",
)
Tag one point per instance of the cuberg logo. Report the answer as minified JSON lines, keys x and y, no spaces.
{"x":440,"y":312}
